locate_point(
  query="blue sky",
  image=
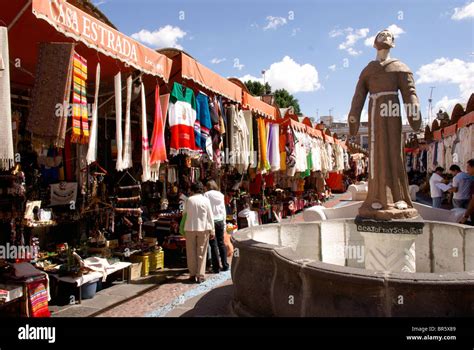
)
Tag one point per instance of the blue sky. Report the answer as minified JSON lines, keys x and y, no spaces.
{"x":315,"y":49}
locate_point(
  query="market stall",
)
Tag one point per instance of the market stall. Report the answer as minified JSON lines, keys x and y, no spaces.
{"x":60,"y":202}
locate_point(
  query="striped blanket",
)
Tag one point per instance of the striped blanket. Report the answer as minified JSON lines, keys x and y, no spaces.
{"x":80,"y":124}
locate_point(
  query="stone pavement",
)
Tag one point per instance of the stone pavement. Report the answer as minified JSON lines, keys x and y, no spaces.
{"x":167,"y":294}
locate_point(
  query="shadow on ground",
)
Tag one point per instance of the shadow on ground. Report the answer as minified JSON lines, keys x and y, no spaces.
{"x":215,"y":303}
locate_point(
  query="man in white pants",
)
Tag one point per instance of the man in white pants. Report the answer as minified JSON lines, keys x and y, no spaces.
{"x":199,"y":227}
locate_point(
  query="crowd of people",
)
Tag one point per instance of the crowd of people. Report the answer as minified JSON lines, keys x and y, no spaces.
{"x":458,"y":188}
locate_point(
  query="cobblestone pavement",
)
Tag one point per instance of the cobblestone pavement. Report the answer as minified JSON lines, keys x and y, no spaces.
{"x":169,"y":294}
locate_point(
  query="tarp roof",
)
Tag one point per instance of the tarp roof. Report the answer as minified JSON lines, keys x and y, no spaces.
{"x":187,"y":68}
{"x":31,"y":22}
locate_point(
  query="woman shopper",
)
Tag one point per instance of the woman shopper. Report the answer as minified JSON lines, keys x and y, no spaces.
{"x":219,"y":213}
{"x":198,"y":227}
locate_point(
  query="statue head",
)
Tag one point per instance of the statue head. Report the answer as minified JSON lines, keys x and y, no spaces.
{"x":384,"y":40}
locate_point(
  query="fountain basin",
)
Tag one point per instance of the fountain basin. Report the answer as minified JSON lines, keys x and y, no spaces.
{"x":299,"y":269}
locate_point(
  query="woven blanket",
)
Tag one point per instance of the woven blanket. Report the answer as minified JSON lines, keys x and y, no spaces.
{"x":50,"y":98}
{"x":80,"y":124}
{"x":6,"y":135}
{"x":38,"y":299}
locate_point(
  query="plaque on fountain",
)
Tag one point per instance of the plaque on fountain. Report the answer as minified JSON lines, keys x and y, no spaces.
{"x":400,"y":227}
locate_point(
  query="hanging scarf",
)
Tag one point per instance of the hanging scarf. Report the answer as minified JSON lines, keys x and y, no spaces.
{"x":118,"y":119}
{"x":127,"y":146}
{"x":6,"y":135}
{"x":262,"y":141}
{"x":53,"y":79}
{"x":146,"y":176}
{"x":203,"y":125}
{"x":92,"y":151}
{"x":158,"y":147}
{"x":274,"y":149}
{"x":80,"y":124}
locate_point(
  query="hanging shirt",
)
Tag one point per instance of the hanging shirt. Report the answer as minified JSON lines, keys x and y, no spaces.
{"x":181,"y":119}
{"x":203,"y":125}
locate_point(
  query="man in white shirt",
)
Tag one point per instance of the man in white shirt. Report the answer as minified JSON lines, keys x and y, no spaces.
{"x":218,"y":247}
{"x":436,"y":192}
{"x":461,"y":187}
{"x":199,"y":228}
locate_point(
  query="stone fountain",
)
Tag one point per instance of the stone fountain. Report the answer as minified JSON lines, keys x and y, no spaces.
{"x":386,"y":260}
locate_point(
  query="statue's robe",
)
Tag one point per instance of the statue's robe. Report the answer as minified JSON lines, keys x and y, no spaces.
{"x":388,"y":182}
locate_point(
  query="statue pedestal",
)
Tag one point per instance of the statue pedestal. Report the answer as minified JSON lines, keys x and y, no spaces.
{"x":389,"y":245}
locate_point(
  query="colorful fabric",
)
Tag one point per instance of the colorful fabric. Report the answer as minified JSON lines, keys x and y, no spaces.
{"x":203,"y":124}
{"x":80,"y":123}
{"x":6,"y":135}
{"x":38,"y":299}
{"x":92,"y":151}
{"x":146,"y":175}
{"x":127,"y":142}
{"x":262,"y":142}
{"x":274,"y":147}
{"x":46,"y":121}
{"x":158,"y":150}
{"x":181,"y":119}
{"x":118,"y":120}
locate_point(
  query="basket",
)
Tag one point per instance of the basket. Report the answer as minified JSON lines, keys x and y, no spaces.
{"x":157,"y":260}
{"x":145,"y":260}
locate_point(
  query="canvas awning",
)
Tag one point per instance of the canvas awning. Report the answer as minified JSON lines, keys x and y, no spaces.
{"x":258,"y":106}
{"x":186,"y":70}
{"x":466,"y":120}
{"x":63,"y":22}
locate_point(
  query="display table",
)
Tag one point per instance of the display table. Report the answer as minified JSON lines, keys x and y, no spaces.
{"x":94,"y":276}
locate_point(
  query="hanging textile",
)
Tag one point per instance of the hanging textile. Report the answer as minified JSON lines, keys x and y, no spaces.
{"x":240,"y":143}
{"x":53,"y":78}
{"x":80,"y":123}
{"x":248,"y":122}
{"x":181,"y":118}
{"x":118,"y":119}
{"x":290,"y":152}
{"x":274,"y":149}
{"x":6,"y":135}
{"x":63,"y":193}
{"x":127,"y":141}
{"x":262,"y":142}
{"x":158,"y":147}
{"x":92,"y":151}
{"x":146,"y":175}
{"x":203,"y":124}
{"x":38,"y":299}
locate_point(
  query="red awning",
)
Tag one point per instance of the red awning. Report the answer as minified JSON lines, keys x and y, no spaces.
{"x":466,"y":120}
{"x":437,"y":135}
{"x":206,"y":78}
{"x":450,"y":130}
{"x":64,"y":22}
{"x":258,"y":106}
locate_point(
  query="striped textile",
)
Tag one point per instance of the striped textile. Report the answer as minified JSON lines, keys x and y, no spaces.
{"x":38,"y":299}
{"x":80,"y":124}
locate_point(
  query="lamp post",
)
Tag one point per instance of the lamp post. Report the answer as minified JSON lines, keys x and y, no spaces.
{"x":264,"y":84}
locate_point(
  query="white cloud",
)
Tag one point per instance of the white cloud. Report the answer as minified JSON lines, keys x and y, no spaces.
{"x":217,"y":60}
{"x":446,"y":104}
{"x":396,"y":31}
{"x":248,"y":77}
{"x":463,"y":12}
{"x":166,"y":36}
{"x":274,"y":22}
{"x":336,"y":32}
{"x":352,"y":37}
{"x":98,"y":3}
{"x":290,"y":75}
{"x":332,"y":67}
{"x":445,"y":70}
